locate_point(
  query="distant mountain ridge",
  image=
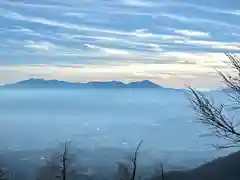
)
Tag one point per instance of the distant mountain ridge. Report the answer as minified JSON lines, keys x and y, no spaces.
{"x":41,"y":83}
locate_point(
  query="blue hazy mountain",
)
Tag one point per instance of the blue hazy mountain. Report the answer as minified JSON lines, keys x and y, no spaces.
{"x":41,"y":83}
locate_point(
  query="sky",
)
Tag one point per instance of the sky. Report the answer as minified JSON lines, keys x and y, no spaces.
{"x":170,"y":42}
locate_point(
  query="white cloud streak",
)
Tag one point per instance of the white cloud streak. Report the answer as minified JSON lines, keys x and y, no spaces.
{"x":191,"y":33}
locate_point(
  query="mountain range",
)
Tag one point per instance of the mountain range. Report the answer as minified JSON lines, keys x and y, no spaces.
{"x":41,"y":83}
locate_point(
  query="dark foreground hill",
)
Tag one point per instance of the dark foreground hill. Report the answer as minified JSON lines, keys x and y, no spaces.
{"x":25,"y":165}
{"x":225,"y":168}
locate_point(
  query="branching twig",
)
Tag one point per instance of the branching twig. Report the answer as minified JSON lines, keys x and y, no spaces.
{"x":135,"y":161}
{"x":213,"y":115}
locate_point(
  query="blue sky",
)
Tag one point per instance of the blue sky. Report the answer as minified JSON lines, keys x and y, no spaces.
{"x":171,"y":42}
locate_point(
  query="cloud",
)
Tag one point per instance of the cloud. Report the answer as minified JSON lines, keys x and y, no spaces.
{"x":145,"y":34}
{"x":110,"y":51}
{"x":196,"y":20}
{"x":138,"y":3}
{"x":54,"y":23}
{"x":129,"y":40}
{"x":37,"y":5}
{"x":139,"y":32}
{"x":43,"y":46}
{"x":71,"y":14}
{"x":237,"y":12}
{"x":80,"y":5}
{"x":214,"y":44}
{"x":38,"y":20}
{"x":192,"y":33}
{"x":204,"y":8}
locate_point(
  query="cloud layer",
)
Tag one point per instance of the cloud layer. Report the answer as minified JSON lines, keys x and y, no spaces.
{"x":171,"y":42}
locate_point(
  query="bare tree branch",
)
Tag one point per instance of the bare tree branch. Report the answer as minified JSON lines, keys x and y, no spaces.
{"x":60,"y":166}
{"x":135,"y":161}
{"x":162,"y":172}
{"x":215,"y":116}
{"x":128,"y":171}
{"x":64,"y":162}
{"x":159,"y":173}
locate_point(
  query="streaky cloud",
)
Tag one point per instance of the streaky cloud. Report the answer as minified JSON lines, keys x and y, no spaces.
{"x":192,"y":33}
{"x":182,"y":39}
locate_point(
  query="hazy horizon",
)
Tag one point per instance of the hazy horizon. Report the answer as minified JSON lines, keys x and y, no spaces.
{"x":86,"y":118}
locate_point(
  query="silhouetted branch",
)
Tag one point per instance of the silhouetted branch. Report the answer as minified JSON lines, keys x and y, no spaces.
{"x":64,"y":162}
{"x":128,"y":171}
{"x":59,"y":166}
{"x":158,"y":173}
{"x":135,"y":161}
{"x":162,"y":172}
{"x":233,"y":82}
{"x":214,"y":116}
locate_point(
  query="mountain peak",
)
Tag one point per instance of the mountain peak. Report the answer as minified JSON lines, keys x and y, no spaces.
{"x":145,"y":83}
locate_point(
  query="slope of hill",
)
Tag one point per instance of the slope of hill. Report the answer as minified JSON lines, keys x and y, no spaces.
{"x":225,"y":168}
